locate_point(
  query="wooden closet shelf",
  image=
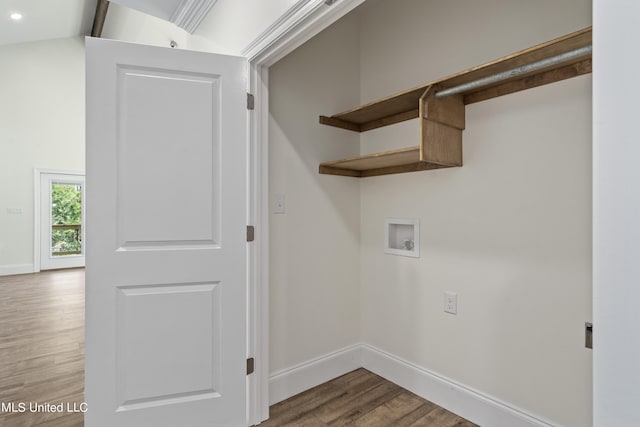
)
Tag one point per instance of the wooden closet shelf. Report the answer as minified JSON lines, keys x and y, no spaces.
{"x":404,"y":105}
{"x":385,"y":163}
{"x":442,"y":117}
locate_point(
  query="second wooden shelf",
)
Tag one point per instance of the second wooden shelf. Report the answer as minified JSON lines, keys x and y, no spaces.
{"x":385,"y":163}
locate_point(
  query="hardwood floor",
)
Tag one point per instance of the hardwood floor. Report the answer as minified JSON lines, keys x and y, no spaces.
{"x":42,"y":346}
{"x":42,"y":361}
{"x":360,"y":398}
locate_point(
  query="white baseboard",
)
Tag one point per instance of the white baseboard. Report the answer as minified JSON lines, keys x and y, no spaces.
{"x":7,"y":270}
{"x":457,"y":398}
{"x":471,"y":404}
{"x":289,"y":382}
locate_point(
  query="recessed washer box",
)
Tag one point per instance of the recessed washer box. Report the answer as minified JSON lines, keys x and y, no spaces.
{"x":402,"y":237}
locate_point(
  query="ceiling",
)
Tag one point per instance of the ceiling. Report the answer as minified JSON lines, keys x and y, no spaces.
{"x":52,"y":19}
{"x":45,"y":19}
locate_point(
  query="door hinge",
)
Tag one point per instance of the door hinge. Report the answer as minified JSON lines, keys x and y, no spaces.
{"x":588,"y":335}
{"x":250,"y":366}
{"x":250,"y":101}
{"x":250,"y":233}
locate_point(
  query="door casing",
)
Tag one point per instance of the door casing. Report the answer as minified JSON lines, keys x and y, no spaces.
{"x":296,"y":26}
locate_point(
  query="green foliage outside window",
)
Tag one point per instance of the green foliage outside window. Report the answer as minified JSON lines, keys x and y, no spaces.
{"x":66,"y":219}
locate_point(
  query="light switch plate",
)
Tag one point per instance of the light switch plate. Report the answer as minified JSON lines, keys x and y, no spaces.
{"x":279,"y":203}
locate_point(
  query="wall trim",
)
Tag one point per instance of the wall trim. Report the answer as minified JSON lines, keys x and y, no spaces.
{"x":287,"y":21}
{"x":301,"y":22}
{"x":8,"y":270}
{"x":259,"y":252}
{"x":463,"y":400}
{"x":291,"y":381}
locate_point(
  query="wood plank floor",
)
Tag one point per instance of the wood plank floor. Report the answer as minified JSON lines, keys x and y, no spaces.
{"x":42,"y":360}
{"x":360,"y":398}
{"x":42,"y":345}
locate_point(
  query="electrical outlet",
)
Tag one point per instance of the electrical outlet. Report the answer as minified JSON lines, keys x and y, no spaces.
{"x":451,"y":302}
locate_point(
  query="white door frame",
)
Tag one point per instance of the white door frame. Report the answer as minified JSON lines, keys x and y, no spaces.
{"x":616,"y":208}
{"x":296,"y":26}
{"x":303,"y":21}
{"x":37,"y":210}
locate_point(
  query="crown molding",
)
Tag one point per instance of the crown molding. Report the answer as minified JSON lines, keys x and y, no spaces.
{"x":190,"y":13}
{"x":301,"y":22}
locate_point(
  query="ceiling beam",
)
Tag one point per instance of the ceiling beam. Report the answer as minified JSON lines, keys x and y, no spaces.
{"x":99,"y":18}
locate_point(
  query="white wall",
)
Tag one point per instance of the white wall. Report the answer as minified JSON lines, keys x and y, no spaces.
{"x":41,"y":126}
{"x":314,"y":246}
{"x":616,"y":211}
{"x":510,"y":232}
{"x":123,"y":23}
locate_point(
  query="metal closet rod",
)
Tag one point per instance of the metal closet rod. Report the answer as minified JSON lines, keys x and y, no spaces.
{"x":515,"y":72}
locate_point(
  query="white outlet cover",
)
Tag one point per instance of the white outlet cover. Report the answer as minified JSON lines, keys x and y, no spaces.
{"x":451,"y":302}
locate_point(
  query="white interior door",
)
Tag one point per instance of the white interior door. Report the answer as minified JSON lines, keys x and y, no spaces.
{"x":61,"y":220}
{"x":166,"y":237}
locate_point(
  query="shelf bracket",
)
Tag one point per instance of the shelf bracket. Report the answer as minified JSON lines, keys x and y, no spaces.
{"x":442,"y":122}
